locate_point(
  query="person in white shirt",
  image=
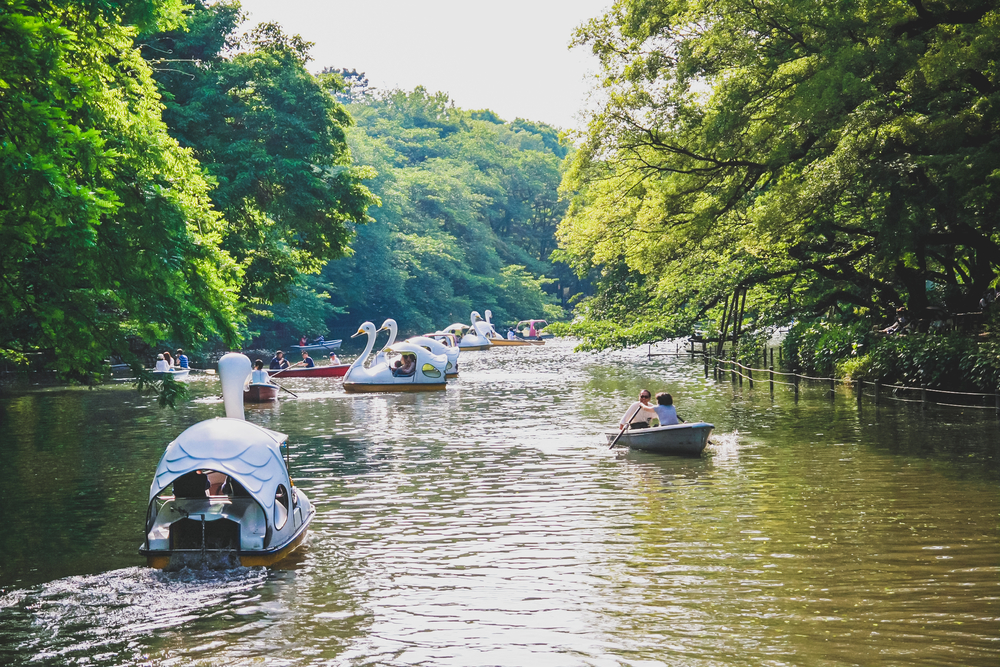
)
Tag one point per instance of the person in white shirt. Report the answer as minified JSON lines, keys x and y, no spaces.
{"x":511,"y":335}
{"x":162,"y":365}
{"x":639,"y":413}
{"x":259,"y":375}
{"x":665,"y":411}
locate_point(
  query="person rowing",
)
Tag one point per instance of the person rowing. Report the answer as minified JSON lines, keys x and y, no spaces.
{"x":639,"y":413}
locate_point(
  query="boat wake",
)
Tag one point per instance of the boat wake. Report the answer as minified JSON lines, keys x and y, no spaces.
{"x":71,"y":619}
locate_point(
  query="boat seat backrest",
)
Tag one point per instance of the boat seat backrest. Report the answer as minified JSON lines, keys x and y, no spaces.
{"x":191,"y":485}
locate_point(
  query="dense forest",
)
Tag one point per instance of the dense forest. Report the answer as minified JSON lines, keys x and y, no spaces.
{"x":170,"y":176}
{"x":788,"y":162}
{"x":469,"y":210}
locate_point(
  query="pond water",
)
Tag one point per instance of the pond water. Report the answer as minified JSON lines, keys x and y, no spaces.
{"x":490,"y":525}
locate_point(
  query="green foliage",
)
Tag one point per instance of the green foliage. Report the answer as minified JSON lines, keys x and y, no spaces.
{"x":273,"y":139}
{"x":108,"y":236}
{"x":835,"y":160}
{"x":816,"y":347}
{"x":469,"y":209}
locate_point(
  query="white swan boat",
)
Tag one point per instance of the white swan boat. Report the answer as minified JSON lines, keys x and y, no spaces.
{"x":221,"y":495}
{"x":438,"y":347}
{"x":428,"y":370}
{"x":476,"y":337}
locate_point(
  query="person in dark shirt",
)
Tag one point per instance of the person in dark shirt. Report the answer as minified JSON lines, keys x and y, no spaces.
{"x":307,"y":360}
{"x":278,"y":361}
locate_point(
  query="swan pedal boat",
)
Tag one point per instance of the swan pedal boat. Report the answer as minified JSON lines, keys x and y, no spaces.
{"x":676,"y":440}
{"x":428,"y":373}
{"x":221,"y":495}
{"x":331,"y":371}
{"x":325,"y":346}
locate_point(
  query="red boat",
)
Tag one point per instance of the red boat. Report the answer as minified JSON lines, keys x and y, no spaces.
{"x":261,"y":393}
{"x":333,"y":371}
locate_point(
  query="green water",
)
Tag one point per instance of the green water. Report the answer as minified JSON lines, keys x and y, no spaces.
{"x":490,"y":525}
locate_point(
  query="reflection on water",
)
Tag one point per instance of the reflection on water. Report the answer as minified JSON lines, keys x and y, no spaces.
{"x":490,"y":524}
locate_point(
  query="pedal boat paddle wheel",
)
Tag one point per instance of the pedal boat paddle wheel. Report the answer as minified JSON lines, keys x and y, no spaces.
{"x":428,"y":370}
{"x":221,"y":495}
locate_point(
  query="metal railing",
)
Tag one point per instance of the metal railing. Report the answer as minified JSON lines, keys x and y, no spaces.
{"x":739,"y":372}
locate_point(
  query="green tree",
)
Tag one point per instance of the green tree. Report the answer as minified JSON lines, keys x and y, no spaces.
{"x":273,"y":139}
{"x":834,"y":159}
{"x":107,"y":238}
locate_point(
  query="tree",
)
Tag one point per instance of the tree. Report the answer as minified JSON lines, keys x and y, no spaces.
{"x":107,"y":237}
{"x":273,"y":139}
{"x":834,"y":159}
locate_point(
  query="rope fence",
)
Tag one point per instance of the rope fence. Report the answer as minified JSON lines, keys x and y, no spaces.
{"x":739,"y":372}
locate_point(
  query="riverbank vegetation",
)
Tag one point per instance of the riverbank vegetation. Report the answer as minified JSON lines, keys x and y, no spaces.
{"x":790,"y":162}
{"x":170,"y":178}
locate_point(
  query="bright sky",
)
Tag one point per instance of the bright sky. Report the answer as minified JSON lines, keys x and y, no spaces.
{"x":510,"y":56}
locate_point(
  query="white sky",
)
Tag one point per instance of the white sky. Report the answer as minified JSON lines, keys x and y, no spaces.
{"x":510,"y":56}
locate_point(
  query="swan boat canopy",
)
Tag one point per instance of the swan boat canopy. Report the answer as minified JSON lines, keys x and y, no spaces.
{"x":435,"y":346}
{"x":221,"y":495}
{"x":423,"y":371}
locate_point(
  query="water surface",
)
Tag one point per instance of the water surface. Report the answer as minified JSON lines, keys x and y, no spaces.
{"x":490,"y":525}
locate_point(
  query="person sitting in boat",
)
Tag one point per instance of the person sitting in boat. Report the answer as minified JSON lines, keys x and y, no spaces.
{"x":182,"y":360}
{"x":320,"y":339}
{"x":259,"y":375}
{"x":406,"y":366}
{"x":303,"y":342}
{"x":307,"y":361}
{"x":334,"y":359}
{"x":278,"y":361}
{"x":639,"y":413}
{"x":511,"y":335}
{"x":168,"y":359}
{"x":665,"y":411}
{"x":161,"y":364}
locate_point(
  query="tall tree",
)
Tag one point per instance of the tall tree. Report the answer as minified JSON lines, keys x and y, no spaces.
{"x":832,"y":158}
{"x":272,"y":137}
{"x":107,"y":236}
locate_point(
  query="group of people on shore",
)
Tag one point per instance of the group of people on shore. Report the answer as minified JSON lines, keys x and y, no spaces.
{"x":166,"y":362}
{"x":641,"y":413}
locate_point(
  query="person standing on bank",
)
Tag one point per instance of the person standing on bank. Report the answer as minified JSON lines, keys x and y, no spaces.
{"x":665,"y":411}
{"x":639,"y":413}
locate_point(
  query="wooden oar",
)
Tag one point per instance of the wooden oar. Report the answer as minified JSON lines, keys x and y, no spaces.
{"x":285,"y":369}
{"x":628,"y":426}
{"x":282,"y":387}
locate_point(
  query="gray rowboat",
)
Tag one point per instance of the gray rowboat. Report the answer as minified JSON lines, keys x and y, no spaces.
{"x":677,"y":440}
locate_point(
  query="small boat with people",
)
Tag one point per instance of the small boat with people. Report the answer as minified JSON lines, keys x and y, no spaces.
{"x":221,"y":495}
{"x":687,"y":439}
{"x":499,"y":341}
{"x":319,"y":346}
{"x":260,"y":392}
{"x":442,"y":345}
{"x":406,"y":367}
{"x":329,"y":371}
{"x":531,"y":331}
{"x":173,"y":373}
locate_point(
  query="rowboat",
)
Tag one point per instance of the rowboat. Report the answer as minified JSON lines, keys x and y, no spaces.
{"x":325,"y":346}
{"x":177,"y":373}
{"x":677,"y":440}
{"x":331,"y":371}
{"x":221,"y":495}
{"x":260,"y":392}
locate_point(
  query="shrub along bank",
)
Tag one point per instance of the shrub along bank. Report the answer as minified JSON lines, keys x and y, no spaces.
{"x":955,"y":362}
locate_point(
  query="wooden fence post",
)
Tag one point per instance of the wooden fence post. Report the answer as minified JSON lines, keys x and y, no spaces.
{"x":770,"y":375}
{"x":878,"y":391}
{"x":923,"y":396}
{"x":750,"y":375}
